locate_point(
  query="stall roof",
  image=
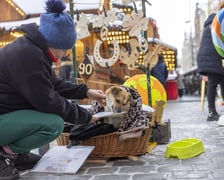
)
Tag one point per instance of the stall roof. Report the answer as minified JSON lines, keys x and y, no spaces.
{"x":190,"y":71}
{"x":81,"y":4}
{"x":35,"y":9}
{"x":15,"y":24}
{"x":158,"y":41}
{"x":29,"y":7}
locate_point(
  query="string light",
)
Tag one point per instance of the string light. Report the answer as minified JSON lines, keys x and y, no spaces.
{"x":20,"y":11}
{"x":101,"y":5}
{"x":4,"y":43}
{"x":169,"y":59}
{"x":120,"y":36}
{"x":16,"y":34}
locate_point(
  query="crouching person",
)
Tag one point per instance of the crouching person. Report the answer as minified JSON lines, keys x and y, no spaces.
{"x":33,"y":101}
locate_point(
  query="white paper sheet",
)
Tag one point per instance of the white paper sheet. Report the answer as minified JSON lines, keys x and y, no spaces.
{"x":108,"y":114}
{"x":61,"y":159}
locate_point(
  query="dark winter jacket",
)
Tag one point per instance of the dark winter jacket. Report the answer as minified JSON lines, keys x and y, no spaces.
{"x":208,"y":59}
{"x":160,"y":71}
{"x":27,"y":80}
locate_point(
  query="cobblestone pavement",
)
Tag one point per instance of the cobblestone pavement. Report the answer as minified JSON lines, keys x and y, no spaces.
{"x":187,"y":120}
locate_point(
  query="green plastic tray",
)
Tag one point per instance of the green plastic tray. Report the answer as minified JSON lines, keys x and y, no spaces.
{"x":184,"y":148}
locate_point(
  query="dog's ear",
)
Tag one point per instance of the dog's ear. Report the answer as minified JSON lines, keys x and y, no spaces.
{"x":115,"y":90}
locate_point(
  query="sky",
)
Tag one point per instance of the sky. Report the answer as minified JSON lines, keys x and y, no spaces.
{"x":171,"y":17}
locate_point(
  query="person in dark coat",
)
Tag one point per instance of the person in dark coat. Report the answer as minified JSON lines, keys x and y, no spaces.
{"x":34,"y":102}
{"x":160,"y":71}
{"x":66,"y":68}
{"x":210,"y":65}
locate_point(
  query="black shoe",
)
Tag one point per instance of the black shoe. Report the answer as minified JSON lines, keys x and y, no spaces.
{"x":7,"y":170}
{"x":26,"y":161}
{"x":213,"y":116}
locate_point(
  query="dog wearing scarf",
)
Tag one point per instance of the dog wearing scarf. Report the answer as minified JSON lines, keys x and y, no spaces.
{"x":126,"y":99}
{"x":118,"y":100}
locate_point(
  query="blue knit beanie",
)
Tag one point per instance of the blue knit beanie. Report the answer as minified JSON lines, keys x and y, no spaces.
{"x":56,"y":26}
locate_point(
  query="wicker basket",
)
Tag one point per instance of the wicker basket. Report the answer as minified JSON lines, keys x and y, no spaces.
{"x":109,"y":145}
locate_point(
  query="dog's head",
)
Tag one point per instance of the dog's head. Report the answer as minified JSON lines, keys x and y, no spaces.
{"x":117,"y":99}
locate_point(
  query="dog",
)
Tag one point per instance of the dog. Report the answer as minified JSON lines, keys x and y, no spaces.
{"x":118,"y":100}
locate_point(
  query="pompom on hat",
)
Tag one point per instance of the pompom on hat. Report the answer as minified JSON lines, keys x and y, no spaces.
{"x":56,"y":26}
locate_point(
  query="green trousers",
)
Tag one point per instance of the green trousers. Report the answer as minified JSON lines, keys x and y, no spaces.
{"x":24,"y":130}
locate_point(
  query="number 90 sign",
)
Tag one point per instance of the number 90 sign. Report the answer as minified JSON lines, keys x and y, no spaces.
{"x":85,"y":69}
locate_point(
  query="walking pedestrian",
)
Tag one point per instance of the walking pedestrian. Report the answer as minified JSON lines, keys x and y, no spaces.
{"x":210,"y":64}
{"x":33,"y":101}
{"x":180,"y":85}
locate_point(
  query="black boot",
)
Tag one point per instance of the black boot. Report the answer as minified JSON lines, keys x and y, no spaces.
{"x":7,"y":170}
{"x":25,"y":161}
{"x":213,"y":116}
